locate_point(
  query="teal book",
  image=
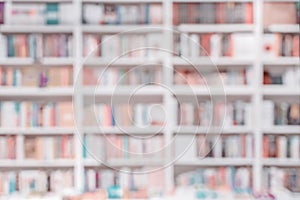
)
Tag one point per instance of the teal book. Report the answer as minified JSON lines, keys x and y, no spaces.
{"x":10,"y":46}
{"x":52,"y":10}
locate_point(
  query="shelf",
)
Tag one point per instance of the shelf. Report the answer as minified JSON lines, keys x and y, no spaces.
{"x":33,"y":164}
{"x":277,"y":90}
{"x":124,"y":163}
{"x":41,"y":1}
{"x":281,"y":0}
{"x":212,"y":130}
{"x":216,"y":28}
{"x":199,"y":1}
{"x":36,"y":29}
{"x":122,"y":1}
{"x":282,"y":61}
{"x":27,"y":93}
{"x":282,"y":129}
{"x":211,"y":61}
{"x":124,"y":130}
{"x":200,"y":90}
{"x":210,"y":162}
{"x":110,"y":62}
{"x":122,"y":29}
{"x":284,"y":28}
{"x":37,"y":131}
{"x":281,"y":162}
{"x":15,"y":61}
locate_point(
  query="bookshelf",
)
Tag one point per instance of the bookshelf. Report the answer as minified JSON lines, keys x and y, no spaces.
{"x":254,"y":93}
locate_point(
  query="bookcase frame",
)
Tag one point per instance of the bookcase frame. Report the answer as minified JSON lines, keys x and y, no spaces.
{"x":255,"y":92}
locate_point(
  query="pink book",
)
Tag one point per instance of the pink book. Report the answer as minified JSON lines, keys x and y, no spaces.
{"x":65,"y":114}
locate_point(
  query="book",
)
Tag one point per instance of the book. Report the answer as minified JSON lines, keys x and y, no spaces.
{"x":282,"y":178}
{"x":211,"y":13}
{"x":125,"y":115}
{"x":285,"y":13}
{"x":225,"y":179}
{"x":48,"y":148}
{"x":52,"y":13}
{"x":8,"y":147}
{"x":36,"y":114}
{"x":201,"y":114}
{"x":2,"y":12}
{"x":114,"y":148}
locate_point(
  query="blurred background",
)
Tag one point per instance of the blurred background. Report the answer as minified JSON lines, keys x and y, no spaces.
{"x":149,"y":99}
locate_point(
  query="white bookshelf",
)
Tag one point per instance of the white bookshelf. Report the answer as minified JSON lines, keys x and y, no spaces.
{"x":82,"y":95}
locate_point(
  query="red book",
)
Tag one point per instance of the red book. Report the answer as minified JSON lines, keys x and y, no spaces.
{"x":175,"y":14}
{"x":220,"y":13}
{"x":205,"y":44}
{"x":296,"y":45}
{"x":249,"y":13}
{"x":265,"y":146}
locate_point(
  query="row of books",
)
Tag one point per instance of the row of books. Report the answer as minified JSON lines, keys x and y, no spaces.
{"x":281,"y":146}
{"x":277,"y":44}
{"x":139,"y":115}
{"x":41,"y":13}
{"x":122,"y":45}
{"x":48,"y":148}
{"x":213,"y":146}
{"x":138,"y":13}
{"x":35,"y":181}
{"x":286,"y":13}
{"x":36,"y":45}
{"x":276,"y":179}
{"x":280,"y":113}
{"x":8,"y":147}
{"x":205,"y":114}
{"x":233,"y":179}
{"x":214,"y":45}
{"x":290,"y":77}
{"x":36,"y":77}
{"x":36,"y":114}
{"x":212,"y":13}
{"x":121,"y":76}
{"x":228,"y":76}
{"x":114,"y":147}
{"x":133,"y":184}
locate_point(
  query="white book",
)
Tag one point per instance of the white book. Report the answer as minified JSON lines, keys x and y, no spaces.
{"x":64,"y":13}
{"x":217,"y":148}
{"x":240,"y":41}
{"x":154,"y":42}
{"x":184,"y":45}
{"x":185,"y":147}
{"x":110,"y":46}
{"x":270,"y":46}
{"x":248,"y":115}
{"x":108,"y":178}
{"x":282,"y":145}
{"x":47,"y":115}
{"x":23,"y":114}
{"x":268,"y":113}
{"x":3,"y":147}
{"x":3,"y":45}
{"x":249,"y":146}
{"x":9,"y":116}
{"x":124,"y":178}
{"x":195,"y":46}
{"x":295,"y":146}
{"x":289,"y":77}
{"x":215,"y":43}
{"x":93,"y":13}
{"x":91,"y":179}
